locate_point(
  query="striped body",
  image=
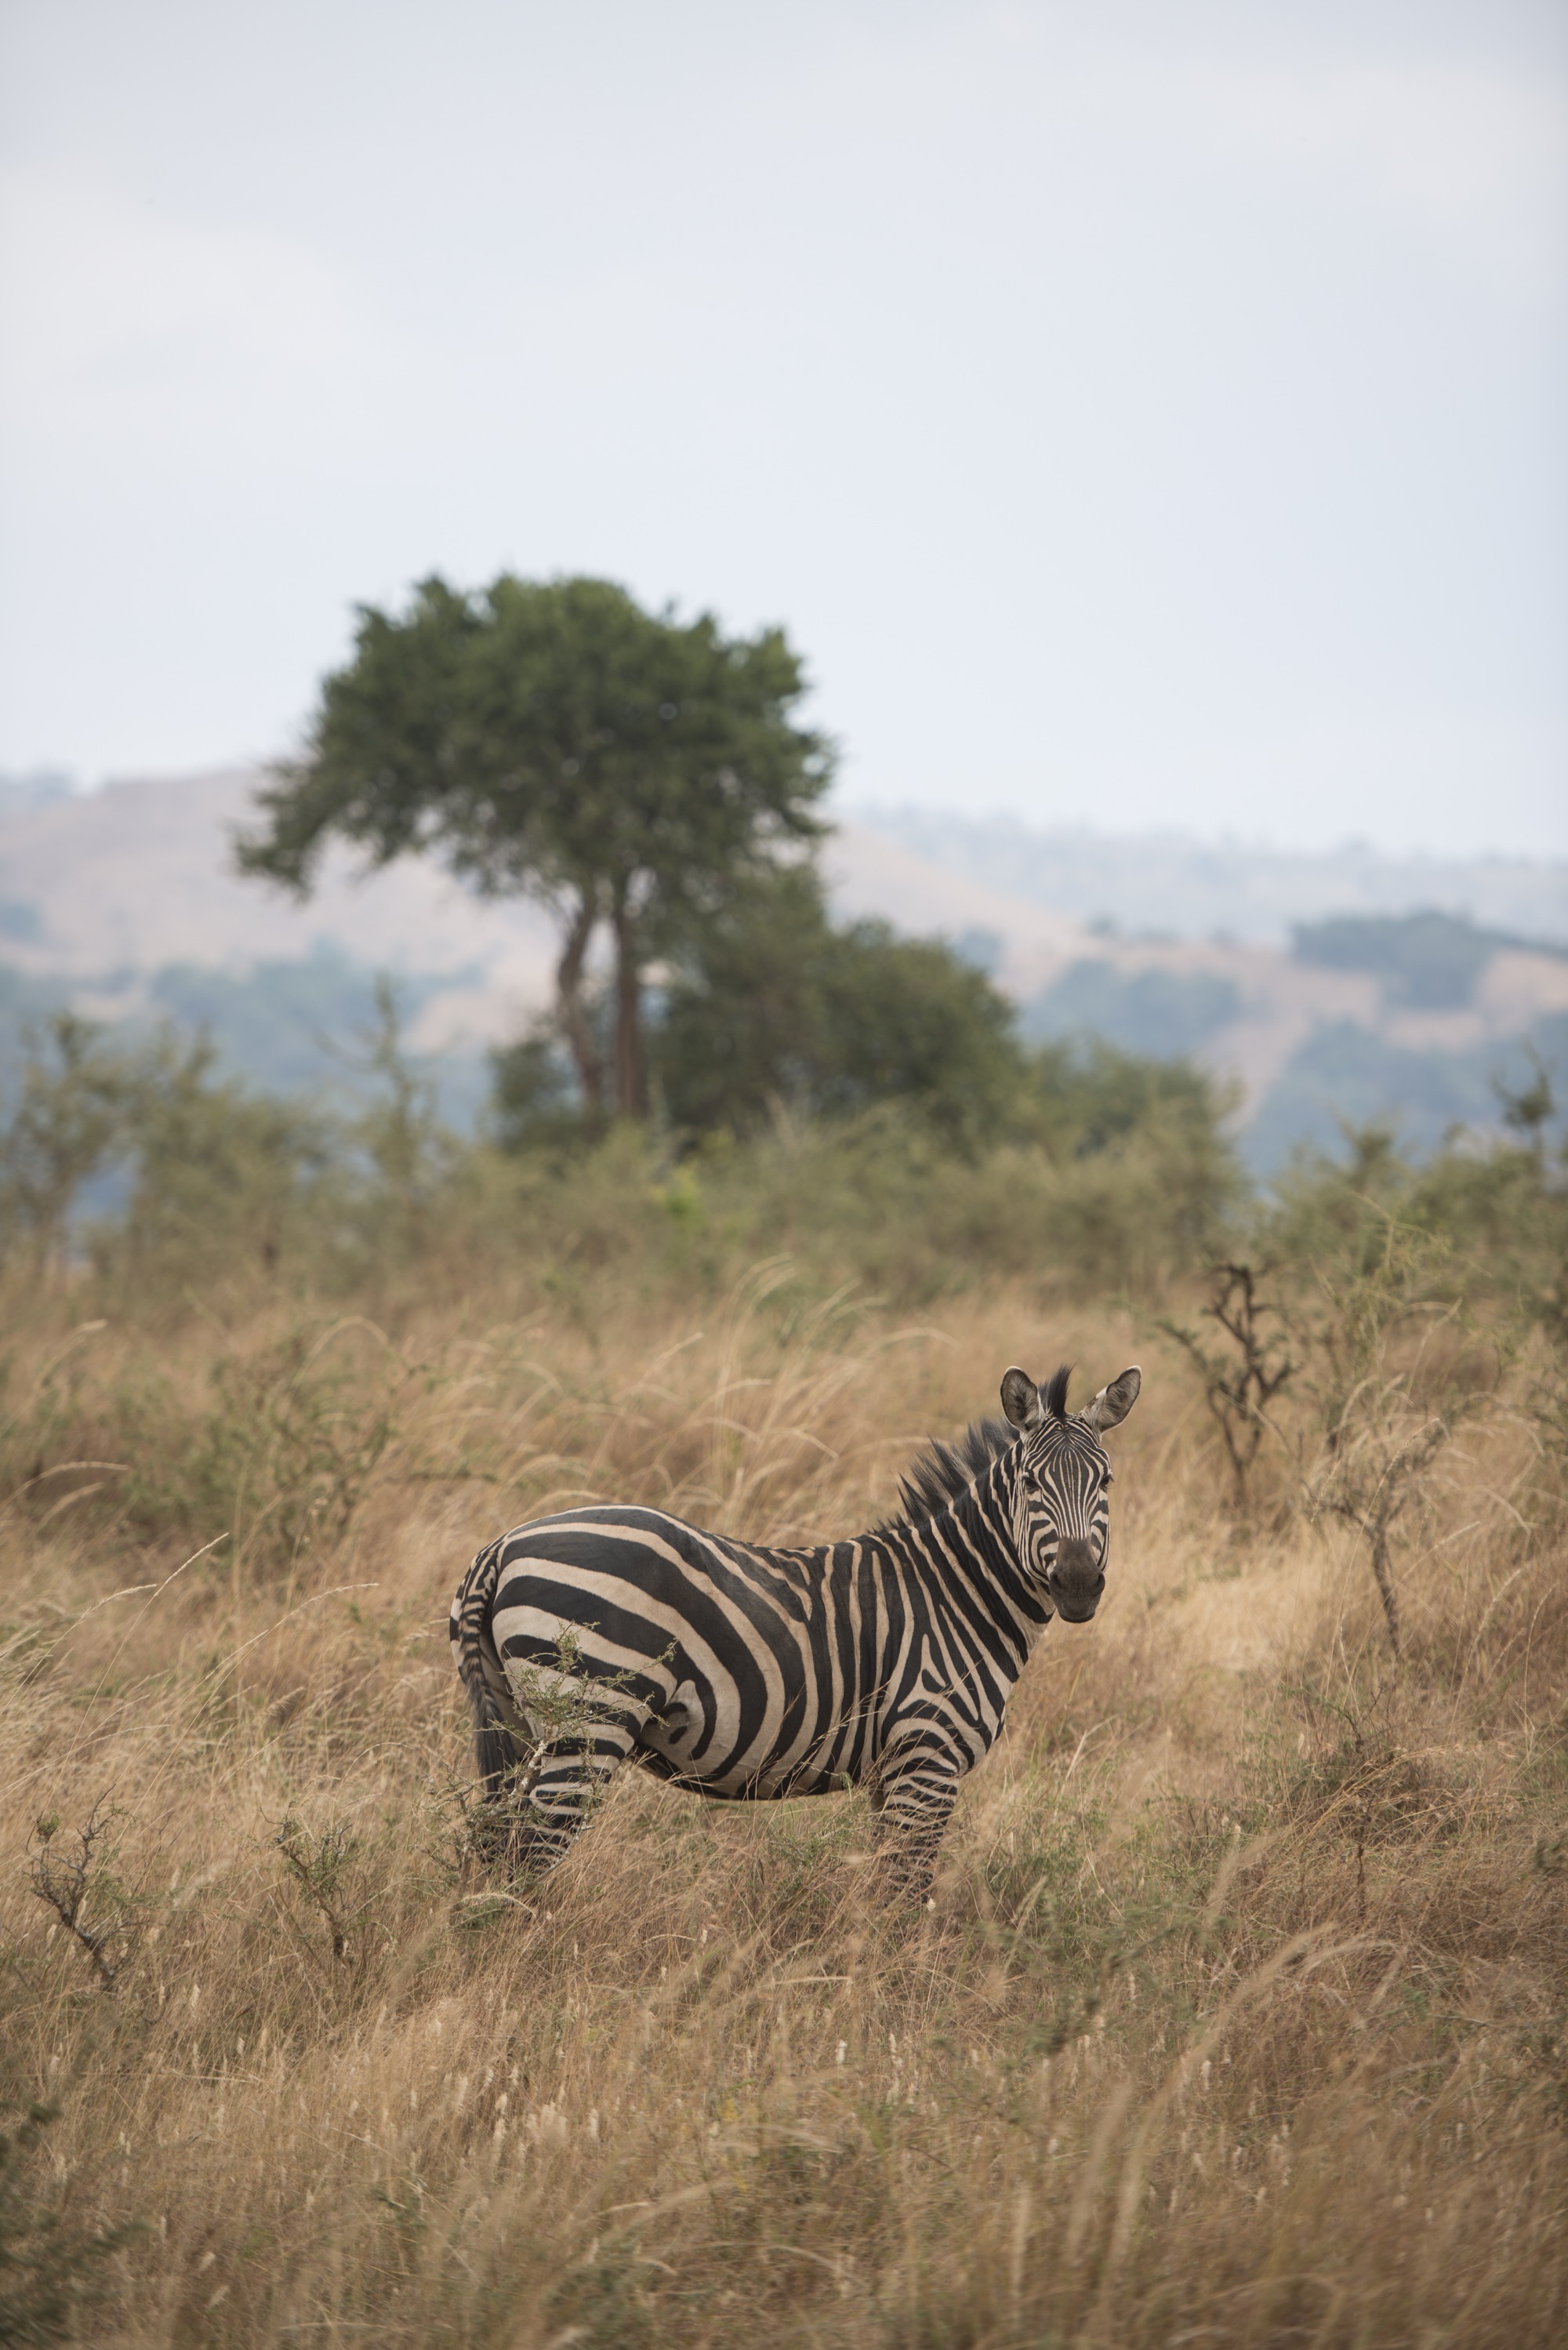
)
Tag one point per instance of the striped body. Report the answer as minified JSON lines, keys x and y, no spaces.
{"x":602,"y":1635}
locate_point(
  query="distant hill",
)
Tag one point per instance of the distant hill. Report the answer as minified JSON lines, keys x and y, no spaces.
{"x":1343,"y":987}
{"x":1429,"y":961}
{"x":1340,"y":987}
{"x":1165,"y":885}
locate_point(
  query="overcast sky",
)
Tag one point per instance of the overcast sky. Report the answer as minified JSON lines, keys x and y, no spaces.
{"x":1141,"y":415}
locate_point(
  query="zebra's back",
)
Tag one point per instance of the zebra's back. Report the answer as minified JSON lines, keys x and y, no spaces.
{"x":733,"y":1668}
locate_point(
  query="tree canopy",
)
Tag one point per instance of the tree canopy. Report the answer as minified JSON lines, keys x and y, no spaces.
{"x":555,"y":738}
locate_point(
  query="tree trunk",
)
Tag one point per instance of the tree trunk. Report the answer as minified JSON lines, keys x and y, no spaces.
{"x":1382,"y":1576}
{"x":631,"y":1077}
{"x":575,"y":1026}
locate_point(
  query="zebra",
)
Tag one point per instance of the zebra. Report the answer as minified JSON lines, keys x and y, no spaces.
{"x":885,"y":1662}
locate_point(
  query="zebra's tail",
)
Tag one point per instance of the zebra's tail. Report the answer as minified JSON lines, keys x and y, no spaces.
{"x":496,"y":1750}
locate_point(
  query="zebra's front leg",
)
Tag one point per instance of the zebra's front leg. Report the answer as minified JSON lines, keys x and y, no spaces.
{"x":918,"y":1790}
{"x":570,"y":1774}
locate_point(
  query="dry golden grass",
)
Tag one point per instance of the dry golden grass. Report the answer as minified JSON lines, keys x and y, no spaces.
{"x":1239,"y":2020}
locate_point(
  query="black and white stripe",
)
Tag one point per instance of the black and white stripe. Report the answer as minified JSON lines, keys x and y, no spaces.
{"x":600,"y":1635}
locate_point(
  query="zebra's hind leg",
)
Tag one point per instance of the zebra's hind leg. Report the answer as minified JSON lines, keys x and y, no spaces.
{"x":568,"y":1778}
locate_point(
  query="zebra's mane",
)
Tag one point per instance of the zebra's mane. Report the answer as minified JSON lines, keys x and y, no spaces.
{"x":933,"y":1481}
{"x":942,"y":1473}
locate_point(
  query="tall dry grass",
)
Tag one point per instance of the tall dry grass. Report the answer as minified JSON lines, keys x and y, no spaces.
{"x":1239,"y":2019}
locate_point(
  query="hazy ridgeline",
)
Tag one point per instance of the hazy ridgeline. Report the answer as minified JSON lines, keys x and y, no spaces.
{"x":1241,"y":2018}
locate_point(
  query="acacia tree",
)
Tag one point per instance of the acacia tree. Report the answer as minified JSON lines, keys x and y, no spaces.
{"x":554,"y":739}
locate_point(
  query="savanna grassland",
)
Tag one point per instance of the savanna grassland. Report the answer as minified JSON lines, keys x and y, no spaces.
{"x":1239,"y":2018}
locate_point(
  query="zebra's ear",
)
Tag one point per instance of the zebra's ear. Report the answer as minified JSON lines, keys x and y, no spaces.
{"x":1020,"y":1400}
{"x":1112,"y":1405}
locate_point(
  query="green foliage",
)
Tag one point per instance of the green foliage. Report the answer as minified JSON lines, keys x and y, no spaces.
{"x":1387,"y":1389}
{"x":886,"y":1197}
{"x":950,"y":1154}
{"x":279,"y":1456}
{"x":270,"y":1460}
{"x":212,"y":1177}
{"x":65,"y":1125}
{"x":411,"y":1155}
{"x":330,"y":1868}
{"x":556,"y":739}
{"x":1092,"y":1096}
{"x":216,"y":1171}
{"x":1404,"y":1309}
{"x":773,"y":1010}
{"x":533,"y":1096}
{"x":1529,"y":1109}
{"x":204,"y":1162}
{"x":1496,"y":1220}
{"x":771,"y":1007}
{"x":1394,"y":1282}
{"x":1507,"y":1210}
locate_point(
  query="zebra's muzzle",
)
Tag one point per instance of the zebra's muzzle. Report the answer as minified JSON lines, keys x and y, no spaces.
{"x":1075,"y":1582}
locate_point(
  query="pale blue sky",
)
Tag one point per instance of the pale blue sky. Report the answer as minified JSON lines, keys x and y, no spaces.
{"x":1141,"y":415}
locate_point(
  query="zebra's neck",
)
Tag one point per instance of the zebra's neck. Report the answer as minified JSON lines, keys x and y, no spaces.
{"x":966,"y":1555}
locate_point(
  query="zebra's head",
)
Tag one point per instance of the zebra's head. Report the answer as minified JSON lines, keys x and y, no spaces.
{"x":1063,"y":1521}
